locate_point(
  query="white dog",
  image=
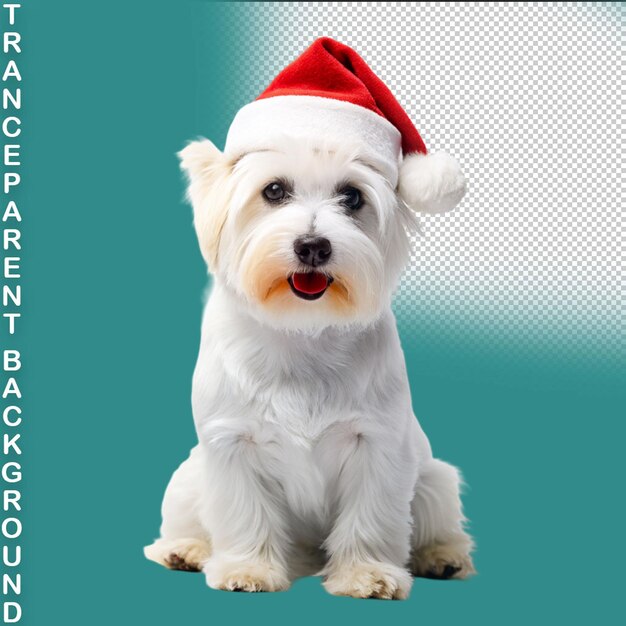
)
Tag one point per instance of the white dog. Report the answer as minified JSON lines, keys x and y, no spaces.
{"x":310,"y":459}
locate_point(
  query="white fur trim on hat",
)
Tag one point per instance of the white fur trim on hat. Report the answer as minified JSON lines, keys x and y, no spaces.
{"x":263,"y":124}
{"x":431,"y":183}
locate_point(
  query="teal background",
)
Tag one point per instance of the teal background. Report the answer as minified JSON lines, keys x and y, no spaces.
{"x":113,"y":294}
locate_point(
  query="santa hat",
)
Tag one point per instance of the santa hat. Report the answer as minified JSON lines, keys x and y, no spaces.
{"x":329,"y":92}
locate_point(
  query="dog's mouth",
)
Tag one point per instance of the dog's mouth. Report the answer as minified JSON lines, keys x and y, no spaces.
{"x":309,"y":285}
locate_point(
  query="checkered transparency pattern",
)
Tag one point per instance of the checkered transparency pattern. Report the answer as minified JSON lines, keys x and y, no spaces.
{"x":530,"y":98}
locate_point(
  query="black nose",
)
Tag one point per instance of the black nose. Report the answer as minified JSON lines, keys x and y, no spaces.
{"x":313,"y":251}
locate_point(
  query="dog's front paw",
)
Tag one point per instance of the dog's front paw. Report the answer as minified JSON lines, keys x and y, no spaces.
{"x":182,"y":554}
{"x":249,"y":576}
{"x":369,"y":580}
{"x":443,"y":561}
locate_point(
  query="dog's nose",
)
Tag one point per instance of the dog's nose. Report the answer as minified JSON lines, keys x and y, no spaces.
{"x":313,"y":251}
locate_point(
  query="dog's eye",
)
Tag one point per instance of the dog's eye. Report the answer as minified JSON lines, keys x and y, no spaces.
{"x":274,"y":192}
{"x":351,"y":198}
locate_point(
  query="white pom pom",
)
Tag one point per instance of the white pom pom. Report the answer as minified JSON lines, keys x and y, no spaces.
{"x":432,"y":183}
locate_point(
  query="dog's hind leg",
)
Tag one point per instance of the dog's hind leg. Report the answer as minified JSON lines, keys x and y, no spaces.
{"x":440,"y":546}
{"x":183,"y":544}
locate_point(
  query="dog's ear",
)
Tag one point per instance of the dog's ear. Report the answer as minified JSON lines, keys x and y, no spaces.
{"x":207,"y":171}
{"x":198,"y":158}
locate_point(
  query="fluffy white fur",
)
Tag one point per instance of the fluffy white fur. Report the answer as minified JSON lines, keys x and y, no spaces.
{"x":262,"y":122}
{"x":431,"y":183}
{"x":310,"y":459}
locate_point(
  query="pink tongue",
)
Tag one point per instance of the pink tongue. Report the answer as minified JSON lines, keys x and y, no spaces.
{"x":310,"y":282}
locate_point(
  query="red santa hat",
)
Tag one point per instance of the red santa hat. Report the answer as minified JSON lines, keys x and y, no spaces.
{"x":329,"y":92}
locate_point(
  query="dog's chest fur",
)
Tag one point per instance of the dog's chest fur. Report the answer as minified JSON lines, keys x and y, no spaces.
{"x":301,"y":383}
